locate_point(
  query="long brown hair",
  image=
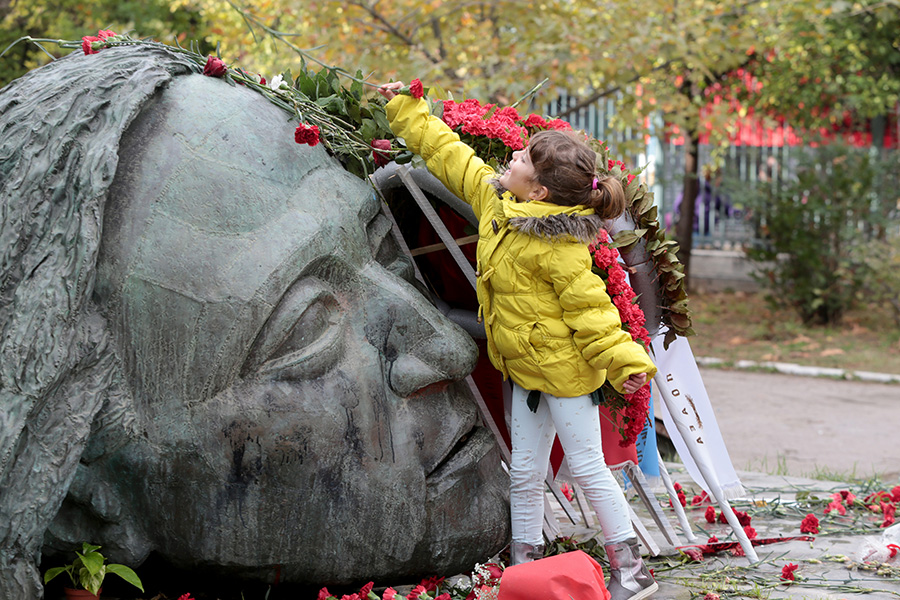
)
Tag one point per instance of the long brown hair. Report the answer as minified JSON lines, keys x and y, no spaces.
{"x":567,"y":167}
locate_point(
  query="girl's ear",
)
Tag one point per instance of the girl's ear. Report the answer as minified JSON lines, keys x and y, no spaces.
{"x":538,"y":192}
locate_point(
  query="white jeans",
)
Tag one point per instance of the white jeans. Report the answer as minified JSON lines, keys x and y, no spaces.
{"x":577,"y":423}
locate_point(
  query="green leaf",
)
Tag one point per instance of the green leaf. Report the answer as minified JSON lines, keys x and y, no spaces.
{"x":356,"y":88}
{"x":127,"y":574}
{"x":381,"y":121}
{"x":368,"y":130}
{"x":51,"y":573}
{"x":92,"y":561}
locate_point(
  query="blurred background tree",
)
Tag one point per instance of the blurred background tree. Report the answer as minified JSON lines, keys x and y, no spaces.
{"x":673,"y":67}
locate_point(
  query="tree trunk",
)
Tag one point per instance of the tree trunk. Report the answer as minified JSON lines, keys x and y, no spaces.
{"x":684,"y":228}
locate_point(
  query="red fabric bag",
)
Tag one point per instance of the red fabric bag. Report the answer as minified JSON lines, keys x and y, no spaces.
{"x":570,"y":576}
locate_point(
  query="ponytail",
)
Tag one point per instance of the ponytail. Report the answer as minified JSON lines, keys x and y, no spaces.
{"x":607,"y":197}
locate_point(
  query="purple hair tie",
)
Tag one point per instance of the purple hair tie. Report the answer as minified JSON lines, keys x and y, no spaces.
{"x":594,"y":183}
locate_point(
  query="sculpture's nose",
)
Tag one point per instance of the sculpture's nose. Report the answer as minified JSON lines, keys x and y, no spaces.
{"x":421,"y":346}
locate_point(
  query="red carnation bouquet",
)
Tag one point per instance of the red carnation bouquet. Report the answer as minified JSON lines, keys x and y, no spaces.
{"x":494,"y":132}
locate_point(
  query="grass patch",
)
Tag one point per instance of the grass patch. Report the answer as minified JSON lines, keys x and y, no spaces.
{"x":734,"y":326}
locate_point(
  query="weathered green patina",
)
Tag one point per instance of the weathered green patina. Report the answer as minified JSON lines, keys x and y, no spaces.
{"x":212,"y":348}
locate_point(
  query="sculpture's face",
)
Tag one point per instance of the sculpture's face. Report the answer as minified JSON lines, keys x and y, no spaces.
{"x":298,"y":402}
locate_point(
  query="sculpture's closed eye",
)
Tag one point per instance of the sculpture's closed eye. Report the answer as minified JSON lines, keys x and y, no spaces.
{"x":302,"y":336}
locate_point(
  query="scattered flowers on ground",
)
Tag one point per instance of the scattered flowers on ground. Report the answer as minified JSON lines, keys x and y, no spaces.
{"x":810,"y":524}
{"x":787,"y":571}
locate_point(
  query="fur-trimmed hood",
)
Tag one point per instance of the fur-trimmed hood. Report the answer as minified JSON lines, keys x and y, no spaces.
{"x":553,"y":222}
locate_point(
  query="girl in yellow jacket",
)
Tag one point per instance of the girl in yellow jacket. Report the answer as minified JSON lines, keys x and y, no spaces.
{"x":551,"y":327}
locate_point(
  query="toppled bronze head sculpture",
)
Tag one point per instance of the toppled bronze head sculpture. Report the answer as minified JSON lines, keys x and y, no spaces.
{"x":211,"y":345}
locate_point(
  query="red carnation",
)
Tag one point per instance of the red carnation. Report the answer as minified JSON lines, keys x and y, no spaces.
{"x":380,"y":158}
{"x":534,"y":121}
{"x":444,"y":596}
{"x":364,"y":590}
{"x":710,"y":514}
{"x":712,"y":539}
{"x":306,"y":134}
{"x":88,"y":40}
{"x":494,"y":570}
{"x":415,"y":89}
{"x":418,"y":590}
{"x":810,"y":524}
{"x":787,"y":571}
{"x":215,"y":67}
{"x":323,"y":594}
{"x":389,"y":594}
{"x":431,"y":583}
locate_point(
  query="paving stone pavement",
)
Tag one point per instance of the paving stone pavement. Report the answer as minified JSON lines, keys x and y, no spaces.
{"x":823,"y":574}
{"x":774,"y":424}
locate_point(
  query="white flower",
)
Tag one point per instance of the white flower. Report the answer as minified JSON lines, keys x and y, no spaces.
{"x":276,"y":82}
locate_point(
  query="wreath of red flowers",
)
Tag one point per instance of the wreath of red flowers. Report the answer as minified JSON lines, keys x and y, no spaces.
{"x":630,"y":410}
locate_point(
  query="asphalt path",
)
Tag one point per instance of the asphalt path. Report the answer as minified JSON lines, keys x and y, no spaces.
{"x":807,"y":426}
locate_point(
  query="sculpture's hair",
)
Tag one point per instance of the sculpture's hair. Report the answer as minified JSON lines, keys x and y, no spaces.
{"x":60,"y":127}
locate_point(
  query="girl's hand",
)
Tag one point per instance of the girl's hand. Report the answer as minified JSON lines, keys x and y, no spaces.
{"x":389,"y":90}
{"x":634,"y":383}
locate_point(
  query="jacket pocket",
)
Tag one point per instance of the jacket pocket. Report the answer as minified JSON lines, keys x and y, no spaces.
{"x":512,"y":343}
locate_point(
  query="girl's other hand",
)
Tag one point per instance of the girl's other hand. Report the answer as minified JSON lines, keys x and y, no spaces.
{"x":634,"y":383}
{"x":389,"y":90}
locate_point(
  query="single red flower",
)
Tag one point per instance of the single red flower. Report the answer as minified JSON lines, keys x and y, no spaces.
{"x":215,"y":67}
{"x":810,"y":524}
{"x":494,"y":570}
{"x":418,"y":590}
{"x":364,"y":590}
{"x":697,"y":500}
{"x":389,"y":594}
{"x":185,"y":597}
{"x":895,"y":493}
{"x":567,"y":491}
{"x":350,"y":597}
{"x":535,"y":121}
{"x":711,"y":596}
{"x":787,"y":571}
{"x":751,"y":533}
{"x":894,"y":548}
{"x":695,"y":554}
{"x":559,"y":125}
{"x":431,"y":583}
{"x":712,"y":539}
{"x":416,"y":90}
{"x":444,"y":596}
{"x":86,"y":42}
{"x":743,"y":518}
{"x":324,"y":594}
{"x":380,"y":158}
{"x":306,"y":134}
{"x":835,"y":505}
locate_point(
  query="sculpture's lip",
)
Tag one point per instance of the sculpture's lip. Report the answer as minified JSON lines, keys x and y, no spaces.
{"x":467,"y":452}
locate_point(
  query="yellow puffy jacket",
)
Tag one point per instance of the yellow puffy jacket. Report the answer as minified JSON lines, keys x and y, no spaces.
{"x":550,"y":323}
